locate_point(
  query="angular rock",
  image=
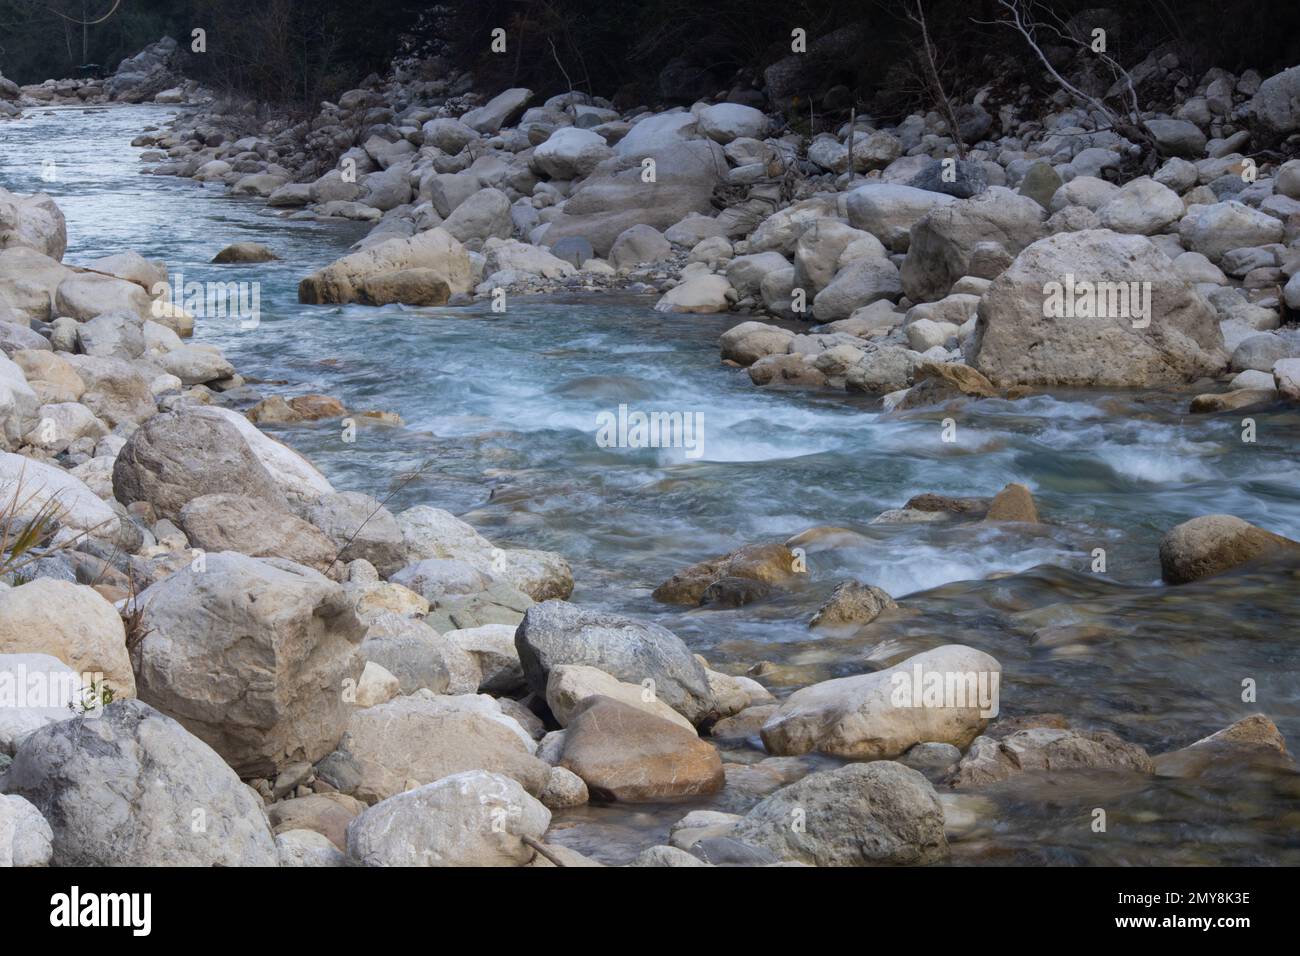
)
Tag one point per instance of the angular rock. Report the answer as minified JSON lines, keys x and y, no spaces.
{"x":852,"y":603}
{"x":1254,"y":739}
{"x":769,"y":563}
{"x":434,"y":254}
{"x":360,"y":527}
{"x":1095,"y":308}
{"x":252,"y":656}
{"x":415,"y":740}
{"x":976,"y":236}
{"x":1013,"y":503}
{"x":252,"y":526}
{"x":554,"y":633}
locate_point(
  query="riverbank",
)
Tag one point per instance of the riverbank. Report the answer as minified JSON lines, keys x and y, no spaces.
{"x":527,"y":493}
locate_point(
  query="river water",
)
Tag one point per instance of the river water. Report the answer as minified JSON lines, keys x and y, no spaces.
{"x":501,"y":414}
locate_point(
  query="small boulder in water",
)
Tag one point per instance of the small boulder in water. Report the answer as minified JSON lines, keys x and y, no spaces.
{"x":1232,"y":401}
{"x":944,"y":695}
{"x":852,"y":603}
{"x":244,"y":252}
{"x":771,"y":564}
{"x":1013,"y":503}
{"x":734,"y":592}
{"x":1254,"y":739}
{"x":1047,"y":748}
{"x":1212,"y":544}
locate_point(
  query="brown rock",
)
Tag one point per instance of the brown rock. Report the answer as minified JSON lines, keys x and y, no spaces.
{"x":314,"y":407}
{"x":407,"y":286}
{"x":244,"y":252}
{"x":325,"y":813}
{"x":771,"y":564}
{"x":273,"y":411}
{"x":852,"y":603}
{"x":939,"y":382}
{"x":1013,"y":503}
{"x":1232,"y":401}
{"x":1212,"y":544}
{"x":957,"y":506}
{"x":786,"y":370}
{"x":1254,"y":739}
{"x":630,"y":756}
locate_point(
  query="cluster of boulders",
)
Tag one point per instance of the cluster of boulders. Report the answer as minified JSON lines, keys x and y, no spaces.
{"x":1024,"y":267}
{"x":1027,"y":252}
{"x":149,"y":76}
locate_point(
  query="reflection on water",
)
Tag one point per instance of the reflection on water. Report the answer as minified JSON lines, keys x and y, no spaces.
{"x":502,"y":413}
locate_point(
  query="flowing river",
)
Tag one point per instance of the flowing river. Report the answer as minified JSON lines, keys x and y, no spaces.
{"x":501,"y":426}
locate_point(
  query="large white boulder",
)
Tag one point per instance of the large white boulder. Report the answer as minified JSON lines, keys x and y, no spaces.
{"x":1216,"y":229}
{"x":253,"y":656}
{"x":724,"y":122}
{"x":570,"y":153}
{"x":475,"y":818}
{"x":1095,"y":308}
{"x":946,"y":695}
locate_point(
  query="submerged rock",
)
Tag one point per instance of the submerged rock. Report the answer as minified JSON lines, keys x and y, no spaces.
{"x":771,"y":564}
{"x":852,"y":603}
{"x":1254,"y":739}
{"x":1047,"y":748}
{"x":244,"y":252}
{"x":1013,"y":503}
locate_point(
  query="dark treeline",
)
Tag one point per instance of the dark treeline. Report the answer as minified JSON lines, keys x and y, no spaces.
{"x":644,"y":50}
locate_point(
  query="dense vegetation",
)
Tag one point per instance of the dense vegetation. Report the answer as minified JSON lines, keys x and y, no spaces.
{"x":650,"y":50}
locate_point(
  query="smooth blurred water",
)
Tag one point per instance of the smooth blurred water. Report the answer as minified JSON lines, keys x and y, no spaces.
{"x":502,"y":417}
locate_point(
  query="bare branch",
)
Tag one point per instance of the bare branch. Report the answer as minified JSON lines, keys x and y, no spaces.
{"x":932,"y":80}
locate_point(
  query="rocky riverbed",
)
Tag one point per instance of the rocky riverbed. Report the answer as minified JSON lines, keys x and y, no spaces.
{"x":353,"y":575}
